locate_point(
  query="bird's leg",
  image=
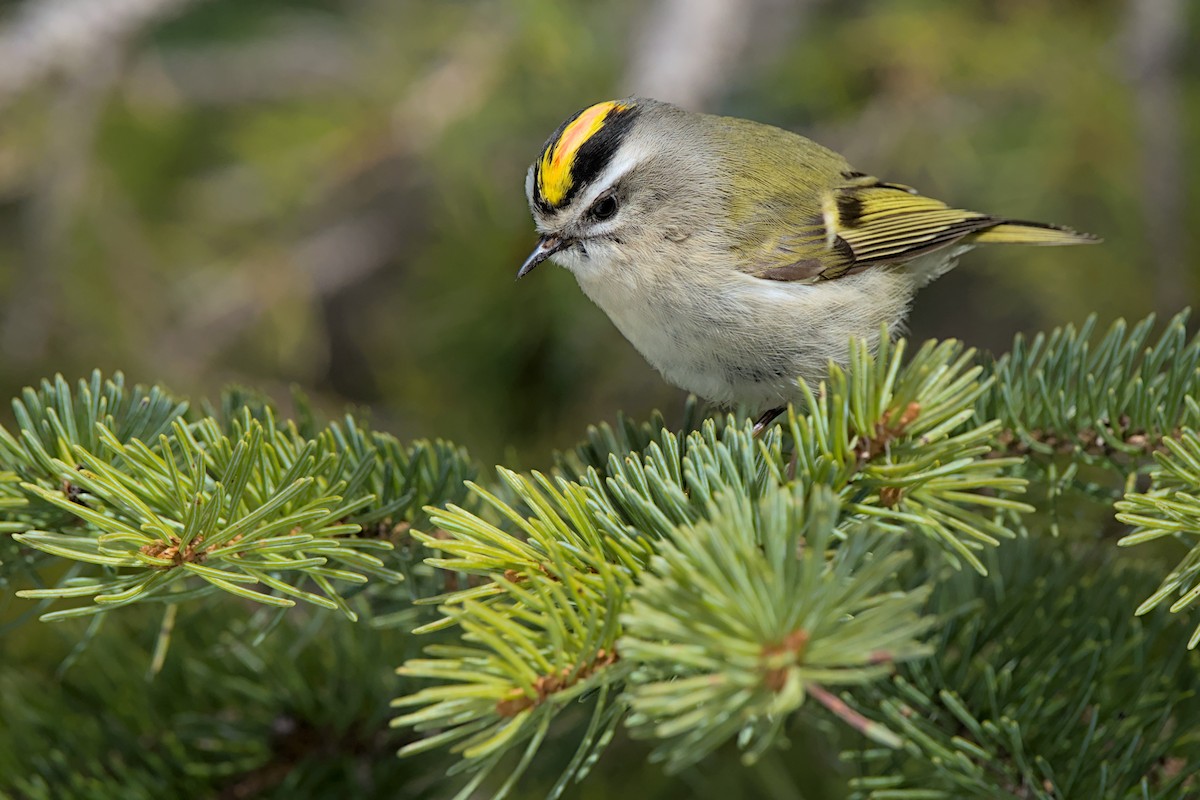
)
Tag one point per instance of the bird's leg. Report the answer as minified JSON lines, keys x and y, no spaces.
{"x":766,"y":419}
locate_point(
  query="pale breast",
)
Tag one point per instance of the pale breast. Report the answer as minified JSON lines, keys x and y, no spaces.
{"x":744,"y":340}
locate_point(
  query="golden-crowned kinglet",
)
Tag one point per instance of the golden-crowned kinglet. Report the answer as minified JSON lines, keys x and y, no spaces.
{"x":736,"y":256}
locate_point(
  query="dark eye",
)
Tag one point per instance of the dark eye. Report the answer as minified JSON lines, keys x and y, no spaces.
{"x":604,"y":208}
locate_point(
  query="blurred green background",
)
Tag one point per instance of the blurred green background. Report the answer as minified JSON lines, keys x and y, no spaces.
{"x":330,"y":194}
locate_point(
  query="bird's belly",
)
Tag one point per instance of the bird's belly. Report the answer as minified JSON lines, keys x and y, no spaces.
{"x":746,"y":342}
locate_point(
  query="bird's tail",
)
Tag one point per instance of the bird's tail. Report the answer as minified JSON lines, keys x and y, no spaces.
{"x":1021,"y":232}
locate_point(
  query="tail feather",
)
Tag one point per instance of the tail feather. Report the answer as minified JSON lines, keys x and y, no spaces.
{"x":1037,"y":233}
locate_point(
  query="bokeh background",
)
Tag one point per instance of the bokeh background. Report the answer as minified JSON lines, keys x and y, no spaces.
{"x":329,"y":193}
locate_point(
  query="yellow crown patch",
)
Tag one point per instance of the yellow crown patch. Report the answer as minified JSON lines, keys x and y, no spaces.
{"x":554,"y":171}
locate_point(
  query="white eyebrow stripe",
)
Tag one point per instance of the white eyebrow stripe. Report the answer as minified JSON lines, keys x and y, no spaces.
{"x":631,"y":155}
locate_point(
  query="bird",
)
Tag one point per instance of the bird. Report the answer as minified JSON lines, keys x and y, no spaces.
{"x":738,"y":257}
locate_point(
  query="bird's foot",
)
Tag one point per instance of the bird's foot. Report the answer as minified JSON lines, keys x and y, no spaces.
{"x":766,"y":419}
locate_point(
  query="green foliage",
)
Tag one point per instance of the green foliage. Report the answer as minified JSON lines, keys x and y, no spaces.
{"x":11,"y":498}
{"x":892,"y":438}
{"x":791,"y":617}
{"x":645,"y":495}
{"x":190,"y":508}
{"x":1041,"y":685}
{"x":1106,"y":400}
{"x":215,"y":504}
{"x":627,"y":436}
{"x":300,"y":712}
{"x":887,"y":442}
{"x":57,"y":418}
{"x":1171,"y":508}
{"x":538,"y":636}
{"x":903,"y":444}
{"x":707,"y":591}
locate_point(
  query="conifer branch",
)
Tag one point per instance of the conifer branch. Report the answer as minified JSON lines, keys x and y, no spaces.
{"x":11,"y":498}
{"x":796,"y":613}
{"x":1171,"y":509}
{"x":698,"y":585}
{"x":627,"y":436}
{"x":902,"y":443}
{"x":147,"y":500}
{"x":558,"y":563}
{"x":56,"y":418}
{"x":231,"y":714}
{"x":540,"y":634}
{"x":1077,"y":699}
{"x":1107,"y":401}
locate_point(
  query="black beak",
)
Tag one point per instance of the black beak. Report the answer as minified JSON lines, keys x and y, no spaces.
{"x":546,"y":247}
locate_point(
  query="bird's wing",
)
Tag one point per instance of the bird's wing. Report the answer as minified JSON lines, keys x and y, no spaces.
{"x":865,"y":222}
{"x":861,"y":222}
{"x":885,"y":222}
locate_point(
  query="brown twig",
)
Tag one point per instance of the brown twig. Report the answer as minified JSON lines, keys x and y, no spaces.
{"x":844,"y":712}
{"x":517,"y":700}
{"x":779,"y":658}
{"x":192,"y":553}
